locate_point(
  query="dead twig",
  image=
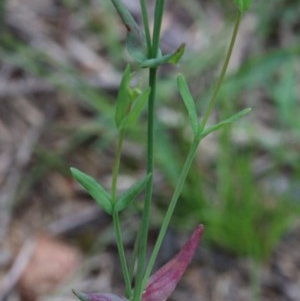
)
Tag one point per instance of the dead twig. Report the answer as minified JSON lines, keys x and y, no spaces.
{"x":17,"y":269}
{"x":24,"y":87}
{"x":15,"y":174}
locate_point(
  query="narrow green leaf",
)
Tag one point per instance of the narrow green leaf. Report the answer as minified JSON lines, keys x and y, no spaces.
{"x":136,"y":110}
{"x":123,"y":98}
{"x":96,"y":191}
{"x":225,"y":122}
{"x":128,"y":196}
{"x":243,"y":5}
{"x":135,"y":41}
{"x":189,"y":103}
{"x":171,"y":58}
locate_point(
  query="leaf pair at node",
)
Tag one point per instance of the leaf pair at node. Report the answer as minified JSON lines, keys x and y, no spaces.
{"x":130,"y":102}
{"x":136,"y":42}
{"x":103,"y":198}
{"x":192,"y":111}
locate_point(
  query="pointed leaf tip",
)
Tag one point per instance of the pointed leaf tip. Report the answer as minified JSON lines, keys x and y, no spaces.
{"x":135,"y":40}
{"x":164,"y":281}
{"x":170,"y":58}
{"x":225,"y":122}
{"x":188,"y":102}
{"x":96,"y":191}
{"x":81,"y":296}
{"x":123,"y":99}
{"x":129,"y":195}
{"x":97,"y":296}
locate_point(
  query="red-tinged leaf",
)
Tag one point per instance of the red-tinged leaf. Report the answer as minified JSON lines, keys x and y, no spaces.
{"x":98,"y":296}
{"x":163,"y":282}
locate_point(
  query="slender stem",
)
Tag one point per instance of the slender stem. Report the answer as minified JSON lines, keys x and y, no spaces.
{"x":159,"y":8}
{"x":158,"y":15}
{"x":134,"y":256}
{"x":189,"y":160}
{"x":116,"y":166}
{"x":146,"y":25}
{"x":117,"y":229}
{"x":173,"y":202}
{"x":149,"y":188}
{"x":213,"y":99}
{"x":115,"y":217}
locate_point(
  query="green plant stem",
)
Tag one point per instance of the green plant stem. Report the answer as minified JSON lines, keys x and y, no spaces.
{"x":117,"y":229}
{"x":149,"y":188}
{"x":116,"y":166}
{"x":213,"y":99}
{"x":134,"y":255}
{"x":173,"y":202}
{"x":189,"y":160}
{"x":116,"y":220}
{"x":146,"y":25}
{"x":158,"y":14}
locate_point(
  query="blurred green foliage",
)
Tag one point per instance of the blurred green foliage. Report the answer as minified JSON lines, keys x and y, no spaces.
{"x":244,"y":211}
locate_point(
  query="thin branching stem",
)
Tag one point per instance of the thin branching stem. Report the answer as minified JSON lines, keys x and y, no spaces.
{"x":215,"y":94}
{"x":134,"y":256}
{"x":139,"y":287}
{"x":144,"y":11}
{"x":149,"y":189}
{"x":189,"y":160}
{"x":125,"y":270}
{"x":115,"y":170}
{"x":115,"y":217}
{"x":170,"y":210}
{"x":158,"y":16}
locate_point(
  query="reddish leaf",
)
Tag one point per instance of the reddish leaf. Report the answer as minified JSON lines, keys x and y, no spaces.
{"x":98,"y":297}
{"x":163,"y":282}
